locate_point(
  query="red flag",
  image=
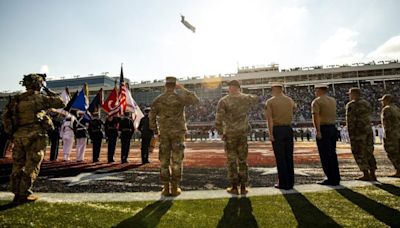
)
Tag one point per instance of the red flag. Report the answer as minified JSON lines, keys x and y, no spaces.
{"x":111,"y":104}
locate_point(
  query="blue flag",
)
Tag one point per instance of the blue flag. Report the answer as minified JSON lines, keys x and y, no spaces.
{"x":80,"y":102}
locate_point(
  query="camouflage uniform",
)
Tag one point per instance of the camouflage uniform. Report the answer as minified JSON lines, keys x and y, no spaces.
{"x":391,"y":124}
{"x":232,"y":121}
{"x":169,"y":107}
{"x":26,"y":115}
{"x":358,"y":122}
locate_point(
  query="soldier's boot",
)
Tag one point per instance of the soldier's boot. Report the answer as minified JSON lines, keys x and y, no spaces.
{"x":233,"y":190}
{"x":372,"y":175}
{"x":175,"y":190}
{"x":27,"y":199}
{"x":243,"y":189}
{"x":397,"y":174}
{"x":166,"y":191}
{"x":365,"y":177}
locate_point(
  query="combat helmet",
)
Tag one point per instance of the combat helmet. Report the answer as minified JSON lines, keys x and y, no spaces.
{"x":33,"y":81}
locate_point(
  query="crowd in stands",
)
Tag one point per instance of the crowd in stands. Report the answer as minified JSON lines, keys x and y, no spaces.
{"x":303,"y":96}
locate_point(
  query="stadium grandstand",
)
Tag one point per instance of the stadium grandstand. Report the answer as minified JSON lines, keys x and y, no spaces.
{"x":375,"y":79}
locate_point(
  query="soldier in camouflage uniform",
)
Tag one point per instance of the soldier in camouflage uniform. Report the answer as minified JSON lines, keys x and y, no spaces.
{"x":391,"y":125}
{"x":26,"y":121}
{"x":232,"y":124}
{"x":358,"y":112}
{"x":169,"y":107}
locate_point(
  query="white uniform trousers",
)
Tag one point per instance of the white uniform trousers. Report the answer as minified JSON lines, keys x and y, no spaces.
{"x":67,"y":147}
{"x":80,"y":149}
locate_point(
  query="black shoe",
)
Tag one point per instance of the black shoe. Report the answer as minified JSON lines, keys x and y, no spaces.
{"x":281,"y":187}
{"x":328,"y":182}
{"x":111,"y":161}
{"x":124,"y":162}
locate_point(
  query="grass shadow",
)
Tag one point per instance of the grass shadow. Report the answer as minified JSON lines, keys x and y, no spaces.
{"x":238,"y":213}
{"x":8,"y":206}
{"x":150,"y":216}
{"x":307,"y":214}
{"x":394,"y":190}
{"x":383,"y":213}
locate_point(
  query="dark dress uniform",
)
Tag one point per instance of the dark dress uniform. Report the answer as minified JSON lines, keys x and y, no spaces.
{"x":54,"y":136}
{"x":111,"y":131}
{"x":280,"y":109}
{"x":325,"y":107}
{"x":96,"y":135}
{"x":126,"y":127}
{"x":147,"y":135}
{"x":4,"y":141}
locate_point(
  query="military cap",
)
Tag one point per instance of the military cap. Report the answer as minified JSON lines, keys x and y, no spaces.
{"x":387,"y":97}
{"x":322,"y":86}
{"x":354,"y":90}
{"x":277,"y":84}
{"x":234,"y":83}
{"x":147,"y":109}
{"x":170,"y":80}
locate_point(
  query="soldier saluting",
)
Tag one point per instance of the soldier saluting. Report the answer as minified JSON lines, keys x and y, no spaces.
{"x":170,"y":108}
{"x":25,"y":119}
{"x":232,"y":124}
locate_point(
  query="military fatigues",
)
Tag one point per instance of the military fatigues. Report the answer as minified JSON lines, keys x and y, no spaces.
{"x":169,"y":107}
{"x":96,"y":135}
{"x":391,"y":124}
{"x":146,"y":136}
{"x":111,"y":132}
{"x":280,"y":108}
{"x":4,"y":141}
{"x":232,"y":121}
{"x":325,"y":107}
{"x":127,"y":128}
{"x":358,"y":122}
{"x":29,"y":138}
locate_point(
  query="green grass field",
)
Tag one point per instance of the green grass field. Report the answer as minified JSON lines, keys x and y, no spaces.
{"x":373,"y":206}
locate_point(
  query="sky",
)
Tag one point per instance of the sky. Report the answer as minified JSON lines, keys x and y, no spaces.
{"x":75,"y":37}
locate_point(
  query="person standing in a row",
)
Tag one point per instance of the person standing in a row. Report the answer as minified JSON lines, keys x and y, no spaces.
{"x":146,"y":135}
{"x":96,"y":134}
{"x":67,"y":135}
{"x":127,"y":128}
{"x":81,"y":134}
{"x":232,"y":124}
{"x":170,"y":108}
{"x":111,"y":132}
{"x":390,"y":117}
{"x":279,"y":114}
{"x":358,"y":112}
{"x":4,"y":140}
{"x":323,"y":109}
{"x":54,"y":135}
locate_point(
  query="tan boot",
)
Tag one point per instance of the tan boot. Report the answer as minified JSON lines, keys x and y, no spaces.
{"x":365,"y":177}
{"x":243,"y":189}
{"x":175,"y":190}
{"x":166,"y":191}
{"x":233,"y":190}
